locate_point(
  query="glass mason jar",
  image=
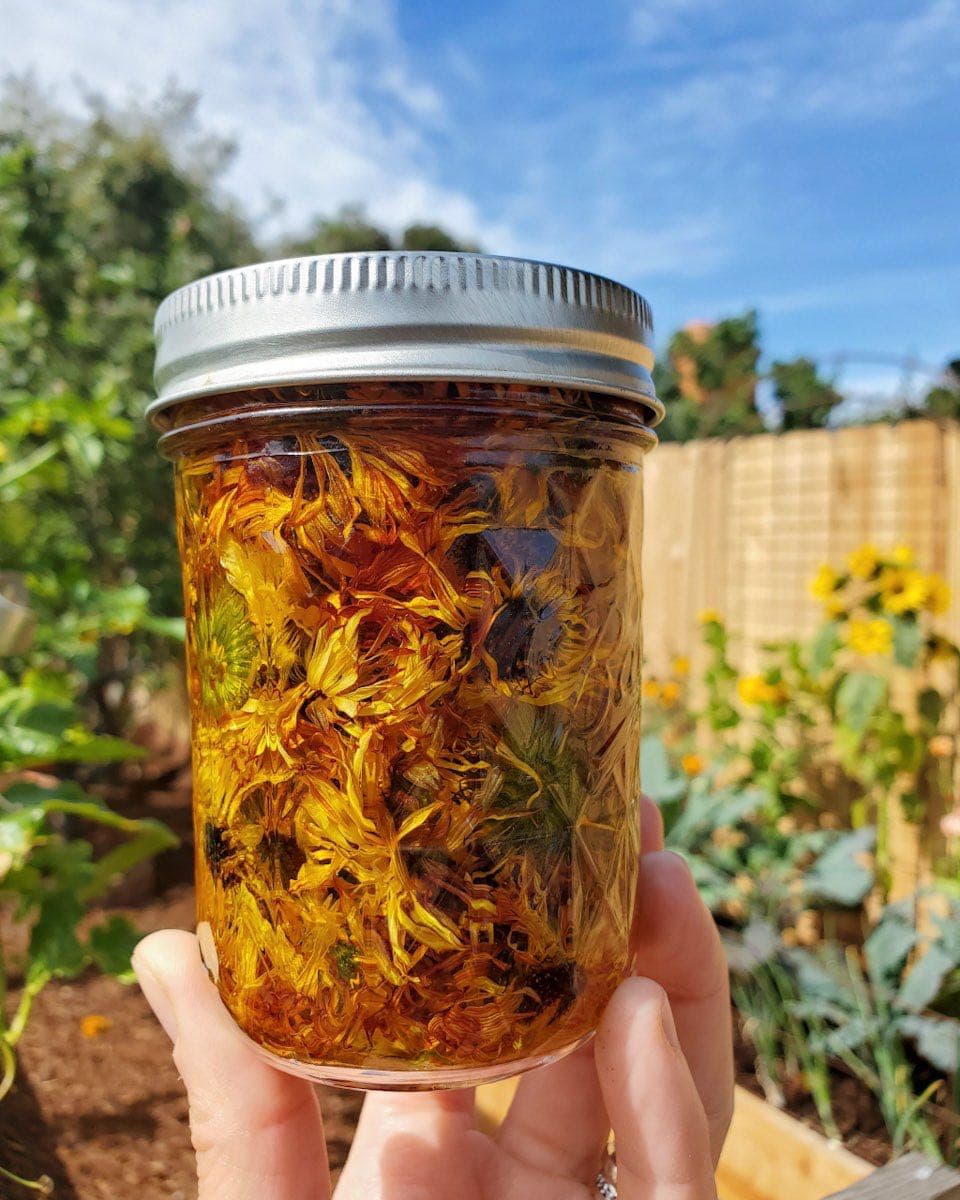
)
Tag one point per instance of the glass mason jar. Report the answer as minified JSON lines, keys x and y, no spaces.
{"x":409,"y":511}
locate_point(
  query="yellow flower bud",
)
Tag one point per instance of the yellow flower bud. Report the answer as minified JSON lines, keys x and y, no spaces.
{"x":692,"y":764}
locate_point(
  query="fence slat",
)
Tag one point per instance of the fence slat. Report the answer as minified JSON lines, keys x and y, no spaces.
{"x":740,"y":526}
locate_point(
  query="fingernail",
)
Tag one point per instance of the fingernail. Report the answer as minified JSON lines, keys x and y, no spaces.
{"x":667,"y":1027}
{"x":155,"y":990}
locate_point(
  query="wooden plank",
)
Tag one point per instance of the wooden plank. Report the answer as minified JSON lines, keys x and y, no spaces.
{"x":771,"y":1156}
{"x":741,"y":525}
{"x":493,"y":1100}
{"x":768,"y":1155}
{"x":912,"y":1177}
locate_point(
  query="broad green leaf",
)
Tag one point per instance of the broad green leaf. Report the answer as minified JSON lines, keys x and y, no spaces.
{"x":757,"y":944}
{"x":852,"y":1034}
{"x":817,"y":978}
{"x":843,"y":874}
{"x":28,"y":792}
{"x":937,"y":1039}
{"x":111,"y":946}
{"x":99,"y":748}
{"x":858,"y":698}
{"x":922,"y":985}
{"x":824,"y":648}
{"x":907,"y":640}
{"x":54,"y":949}
{"x":47,"y":717}
{"x":658,"y":779}
{"x":948,"y":928}
{"x":886,"y":951}
{"x":18,"y":829}
{"x":706,"y":811}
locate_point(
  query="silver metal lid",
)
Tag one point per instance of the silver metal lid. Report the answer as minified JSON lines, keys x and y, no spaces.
{"x":400,"y":315}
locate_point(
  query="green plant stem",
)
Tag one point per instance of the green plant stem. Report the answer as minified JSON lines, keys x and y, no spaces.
{"x":883,"y":838}
{"x":43,"y":1185}
{"x":9,"y":1060}
{"x":19,"y":1023}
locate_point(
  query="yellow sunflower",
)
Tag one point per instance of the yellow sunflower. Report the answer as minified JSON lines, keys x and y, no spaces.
{"x":824,"y":583}
{"x":864,"y":561}
{"x":903,"y":589}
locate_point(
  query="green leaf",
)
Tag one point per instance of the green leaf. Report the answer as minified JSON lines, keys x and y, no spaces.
{"x":26,"y":792}
{"x":925,"y":980}
{"x":150,"y":837}
{"x":706,"y":811}
{"x":819,"y":976}
{"x":852,"y":1034}
{"x":171,"y":627}
{"x":18,"y":829}
{"x":931,"y":704}
{"x":658,"y":779}
{"x":840,"y":876}
{"x":15,"y":471}
{"x":886,"y":951}
{"x":907,"y":640}
{"x":54,"y":948}
{"x":824,"y":648}
{"x":757,"y":944}
{"x":937,"y":1039}
{"x":100,"y":748}
{"x":858,"y":698}
{"x":111,"y":946}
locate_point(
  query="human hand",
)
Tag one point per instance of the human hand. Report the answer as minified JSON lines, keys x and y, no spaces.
{"x":659,"y":1072}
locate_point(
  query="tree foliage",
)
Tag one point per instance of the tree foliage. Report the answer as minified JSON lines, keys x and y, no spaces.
{"x":709,"y":380}
{"x":805,"y":399}
{"x":100,"y":218}
{"x":350,"y":230}
{"x":943,"y":400}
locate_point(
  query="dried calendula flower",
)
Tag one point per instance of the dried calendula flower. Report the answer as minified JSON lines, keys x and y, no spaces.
{"x":415,"y":672}
{"x":409,"y":512}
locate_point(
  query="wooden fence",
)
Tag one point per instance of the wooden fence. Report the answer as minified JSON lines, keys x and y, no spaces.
{"x":740,"y":526}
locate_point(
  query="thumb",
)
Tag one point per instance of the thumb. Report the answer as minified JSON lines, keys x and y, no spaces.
{"x":258,"y":1133}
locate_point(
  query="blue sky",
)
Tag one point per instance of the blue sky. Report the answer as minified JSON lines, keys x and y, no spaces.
{"x":802,"y":158}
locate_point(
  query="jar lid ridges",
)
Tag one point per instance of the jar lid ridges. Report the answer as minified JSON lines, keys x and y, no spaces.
{"x":403,"y":315}
{"x":374,"y":272}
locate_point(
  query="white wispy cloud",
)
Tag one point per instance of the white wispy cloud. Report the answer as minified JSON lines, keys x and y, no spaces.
{"x":823,"y":62}
{"x":652,"y":21}
{"x":320,"y":96}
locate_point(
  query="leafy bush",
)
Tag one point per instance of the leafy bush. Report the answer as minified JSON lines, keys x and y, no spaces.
{"x":758,"y":784}
{"x":856,"y":716}
{"x":49,"y":875}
